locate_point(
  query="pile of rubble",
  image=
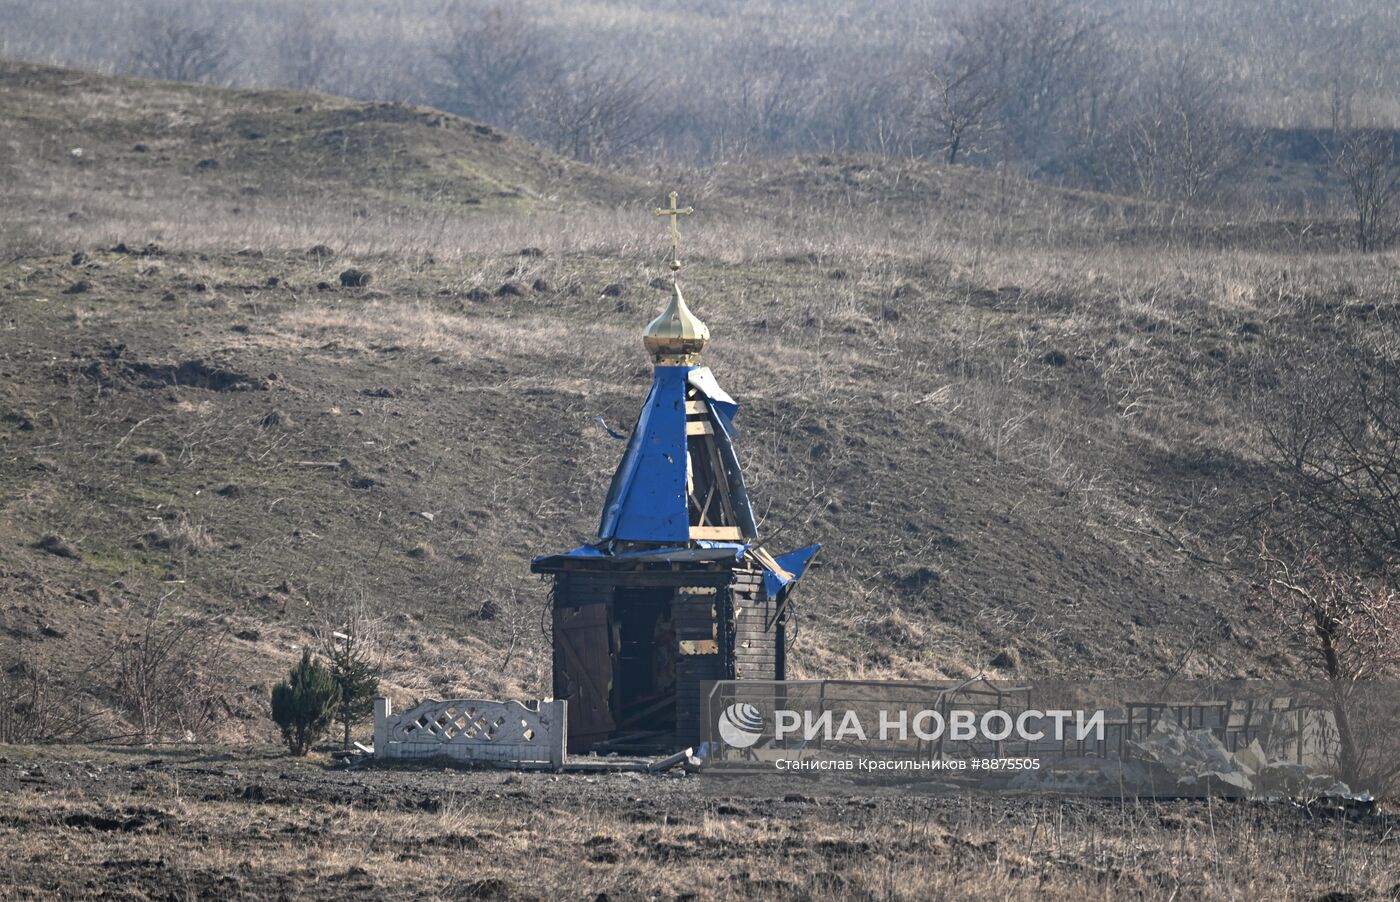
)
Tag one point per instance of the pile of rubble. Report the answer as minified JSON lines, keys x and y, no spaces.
{"x":1174,"y":761}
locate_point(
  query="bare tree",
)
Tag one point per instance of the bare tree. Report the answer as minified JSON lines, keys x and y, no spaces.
{"x":594,"y":111}
{"x":1365,"y":159}
{"x":760,"y":106}
{"x":1347,"y":629}
{"x":1335,"y":59}
{"x":956,"y":98}
{"x":307,"y":49}
{"x":492,"y":60}
{"x":1341,"y":95}
{"x":1332,"y":425}
{"x":170,"y":44}
{"x":1182,"y":142}
{"x":1048,"y":64}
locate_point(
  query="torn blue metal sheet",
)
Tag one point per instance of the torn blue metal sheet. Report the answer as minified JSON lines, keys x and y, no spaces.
{"x":703,"y":381}
{"x":738,"y":492}
{"x":582,"y":551}
{"x":647,"y":498}
{"x":622,"y":476}
{"x":647,"y":502}
{"x":794,"y":562}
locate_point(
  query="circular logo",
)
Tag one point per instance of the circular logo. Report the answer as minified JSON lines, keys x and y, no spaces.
{"x":740,"y":725}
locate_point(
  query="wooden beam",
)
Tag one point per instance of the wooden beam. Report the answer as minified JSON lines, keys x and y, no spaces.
{"x":696,"y":407}
{"x":717,"y":533}
{"x":722,"y":480}
{"x":649,"y":708}
{"x":665,"y":764}
{"x":706,"y":506}
{"x":699,"y":427}
{"x":761,"y":555}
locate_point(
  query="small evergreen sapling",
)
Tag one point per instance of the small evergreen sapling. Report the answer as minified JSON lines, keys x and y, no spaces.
{"x":304,"y":704}
{"x":356,"y":679}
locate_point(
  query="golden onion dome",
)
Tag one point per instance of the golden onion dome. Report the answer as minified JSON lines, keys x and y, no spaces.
{"x":677,"y":336}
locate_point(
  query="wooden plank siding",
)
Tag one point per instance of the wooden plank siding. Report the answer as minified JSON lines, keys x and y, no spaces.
{"x":583,"y":672}
{"x":697,"y":615}
{"x":728,"y":607}
{"x":758,"y":637}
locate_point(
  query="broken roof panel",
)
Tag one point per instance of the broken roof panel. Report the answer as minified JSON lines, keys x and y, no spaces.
{"x":647,"y":501}
{"x":789,"y":567}
{"x":793,"y":564}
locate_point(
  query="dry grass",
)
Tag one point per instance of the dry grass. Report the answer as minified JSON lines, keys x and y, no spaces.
{"x":1006,"y":409}
{"x":182,"y":830}
{"x":938,"y":333}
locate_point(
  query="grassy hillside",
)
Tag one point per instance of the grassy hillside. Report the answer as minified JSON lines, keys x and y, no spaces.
{"x":84,"y":155}
{"x":1021,"y":420}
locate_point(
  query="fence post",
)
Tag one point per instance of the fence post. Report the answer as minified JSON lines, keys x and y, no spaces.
{"x":559,"y":729}
{"x":382,"y":710}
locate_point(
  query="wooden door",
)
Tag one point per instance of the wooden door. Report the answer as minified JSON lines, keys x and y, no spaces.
{"x":583,"y":672}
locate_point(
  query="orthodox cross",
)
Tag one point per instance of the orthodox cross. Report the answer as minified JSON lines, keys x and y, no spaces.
{"x":675,"y":213}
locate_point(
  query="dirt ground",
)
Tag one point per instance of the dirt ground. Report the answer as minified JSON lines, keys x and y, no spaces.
{"x":219,"y":433}
{"x":162,"y":824}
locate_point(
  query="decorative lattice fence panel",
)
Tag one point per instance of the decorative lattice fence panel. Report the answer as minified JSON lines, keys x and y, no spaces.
{"x":472,"y":729}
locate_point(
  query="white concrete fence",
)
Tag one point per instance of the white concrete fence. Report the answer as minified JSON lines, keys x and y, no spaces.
{"x":474,"y":730}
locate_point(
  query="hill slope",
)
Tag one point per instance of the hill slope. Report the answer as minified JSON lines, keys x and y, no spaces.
{"x":1006,"y":439}
{"x":84,"y":151}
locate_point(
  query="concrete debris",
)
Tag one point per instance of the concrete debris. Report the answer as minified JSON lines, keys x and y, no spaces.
{"x":1174,"y":761}
{"x":1198,"y":760}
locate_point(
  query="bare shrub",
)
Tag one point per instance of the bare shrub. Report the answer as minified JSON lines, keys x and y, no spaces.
{"x":165,"y":674}
{"x":1182,"y":141}
{"x":1050,"y":66}
{"x":593,"y":111}
{"x":1346,"y":626}
{"x":1367,"y":163}
{"x":177,"y":44}
{"x":491,"y":62}
{"x":179,"y":534}
{"x":308,"y":51}
{"x":35,"y":707}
